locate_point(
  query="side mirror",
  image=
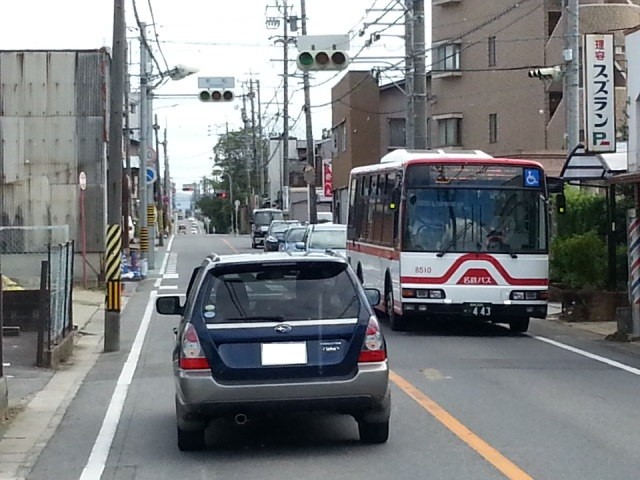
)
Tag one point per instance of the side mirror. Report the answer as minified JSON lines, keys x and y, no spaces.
{"x":169,"y":305}
{"x":561,"y":204}
{"x":373,"y":296}
{"x":299,"y":245}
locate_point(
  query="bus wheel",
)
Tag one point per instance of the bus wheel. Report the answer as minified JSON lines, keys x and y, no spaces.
{"x":519,"y":324}
{"x":396,"y":322}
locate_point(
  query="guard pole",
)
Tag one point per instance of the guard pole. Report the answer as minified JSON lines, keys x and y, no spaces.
{"x":114,"y":284}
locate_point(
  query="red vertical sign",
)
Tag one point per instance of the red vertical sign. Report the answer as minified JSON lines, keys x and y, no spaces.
{"x":327,"y":178}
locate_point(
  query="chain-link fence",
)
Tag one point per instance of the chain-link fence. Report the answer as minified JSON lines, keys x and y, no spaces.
{"x":60,"y":284}
{"x":24,"y":248}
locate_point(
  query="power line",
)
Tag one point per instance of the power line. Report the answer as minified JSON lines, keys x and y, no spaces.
{"x":155,"y":34}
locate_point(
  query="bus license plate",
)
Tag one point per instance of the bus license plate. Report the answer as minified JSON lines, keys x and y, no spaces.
{"x":478,"y":309}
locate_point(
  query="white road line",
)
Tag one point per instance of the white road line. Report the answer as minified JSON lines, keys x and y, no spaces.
{"x":168,"y":287}
{"x":170,"y":276}
{"x":170,"y":243}
{"x":100,"y":451}
{"x":592,"y":356}
{"x":158,"y":282}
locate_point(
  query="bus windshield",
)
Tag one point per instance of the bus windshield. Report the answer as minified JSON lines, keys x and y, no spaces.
{"x":450,"y":219}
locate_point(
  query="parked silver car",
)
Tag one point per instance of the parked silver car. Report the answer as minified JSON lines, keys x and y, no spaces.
{"x":263,"y":333}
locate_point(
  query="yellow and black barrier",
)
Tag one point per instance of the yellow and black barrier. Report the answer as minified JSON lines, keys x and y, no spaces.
{"x":144,"y":239}
{"x":151,"y":215}
{"x":113,"y":267}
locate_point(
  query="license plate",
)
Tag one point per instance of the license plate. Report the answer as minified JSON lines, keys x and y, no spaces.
{"x":478,"y":309}
{"x":291,"y":353}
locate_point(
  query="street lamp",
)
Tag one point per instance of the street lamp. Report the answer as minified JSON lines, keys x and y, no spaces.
{"x":148,"y":234}
{"x":221,"y":173}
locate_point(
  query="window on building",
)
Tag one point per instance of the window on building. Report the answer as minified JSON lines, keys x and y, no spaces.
{"x":493,"y":128}
{"x":448,"y":55}
{"x":553,"y":17}
{"x":343,"y":137}
{"x":492,"y":51}
{"x":397,"y":133}
{"x":449,"y":132}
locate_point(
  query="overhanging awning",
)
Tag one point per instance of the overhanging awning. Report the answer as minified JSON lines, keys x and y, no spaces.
{"x":582,"y":166}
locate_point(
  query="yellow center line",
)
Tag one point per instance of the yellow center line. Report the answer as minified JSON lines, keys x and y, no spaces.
{"x":490,"y":454}
{"x":230,"y":246}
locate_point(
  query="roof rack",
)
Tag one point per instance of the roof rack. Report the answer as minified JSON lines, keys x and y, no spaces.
{"x":214,"y":257}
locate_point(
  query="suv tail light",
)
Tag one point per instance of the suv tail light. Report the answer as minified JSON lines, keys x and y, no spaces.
{"x":373,"y":348}
{"x":191,"y":355}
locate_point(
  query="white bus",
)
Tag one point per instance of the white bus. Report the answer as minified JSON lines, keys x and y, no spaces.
{"x":455,"y":234}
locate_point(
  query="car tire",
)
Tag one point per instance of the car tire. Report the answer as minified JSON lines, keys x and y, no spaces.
{"x":396,"y":322}
{"x":190,"y":441}
{"x":373,"y":432}
{"x":519,"y":324}
{"x":253,"y":244}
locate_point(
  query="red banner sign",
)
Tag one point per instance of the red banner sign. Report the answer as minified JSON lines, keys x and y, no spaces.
{"x":327,"y":178}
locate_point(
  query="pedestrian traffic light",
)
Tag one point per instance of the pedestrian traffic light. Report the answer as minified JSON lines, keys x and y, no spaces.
{"x":314,"y":60}
{"x":547,"y":73}
{"x":222,"y":194}
{"x":216,"y":96}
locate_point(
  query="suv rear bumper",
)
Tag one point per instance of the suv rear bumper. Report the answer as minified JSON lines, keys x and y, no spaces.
{"x":199,"y":396}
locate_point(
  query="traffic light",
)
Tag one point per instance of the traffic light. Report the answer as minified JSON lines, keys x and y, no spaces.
{"x":314,"y":60}
{"x":216,"y":96}
{"x":547,"y":73}
{"x":222,"y":194}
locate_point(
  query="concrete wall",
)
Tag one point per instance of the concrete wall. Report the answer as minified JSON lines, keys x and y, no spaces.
{"x":633,"y":91}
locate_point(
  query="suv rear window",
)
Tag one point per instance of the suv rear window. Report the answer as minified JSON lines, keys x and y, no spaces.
{"x":279,"y":292}
{"x":265,"y":218}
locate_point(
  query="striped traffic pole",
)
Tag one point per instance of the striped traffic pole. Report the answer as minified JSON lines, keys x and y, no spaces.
{"x":633,"y":256}
{"x":113,"y":267}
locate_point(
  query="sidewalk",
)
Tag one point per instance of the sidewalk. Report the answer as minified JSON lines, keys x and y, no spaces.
{"x":38,"y":397}
{"x":604,"y":329}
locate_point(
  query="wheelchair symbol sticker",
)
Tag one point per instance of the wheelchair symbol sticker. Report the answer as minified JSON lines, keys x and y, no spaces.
{"x":531,"y":177}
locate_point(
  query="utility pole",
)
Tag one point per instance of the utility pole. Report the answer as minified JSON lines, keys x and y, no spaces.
{"x":312,"y":206}
{"x":408,"y":72}
{"x":285,"y":107}
{"x":168,"y":191}
{"x":572,"y":73}
{"x":419,"y":87}
{"x":158,"y":183}
{"x":260,"y":145}
{"x":254,"y":148}
{"x":142,"y":155}
{"x":151,"y":216}
{"x":126,"y":184}
{"x":114,"y":182}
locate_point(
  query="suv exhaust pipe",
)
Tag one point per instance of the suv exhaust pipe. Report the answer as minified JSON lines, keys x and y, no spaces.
{"x":241,"y":419}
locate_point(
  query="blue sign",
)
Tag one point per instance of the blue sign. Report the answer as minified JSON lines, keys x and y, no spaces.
{"x":531,"y":177}
{"x":151,"y":175}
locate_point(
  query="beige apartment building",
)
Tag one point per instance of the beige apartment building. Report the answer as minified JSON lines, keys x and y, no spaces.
{"x":481,"y":94}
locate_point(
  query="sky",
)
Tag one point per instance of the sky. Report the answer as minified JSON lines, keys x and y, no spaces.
{"x":220,"y":39}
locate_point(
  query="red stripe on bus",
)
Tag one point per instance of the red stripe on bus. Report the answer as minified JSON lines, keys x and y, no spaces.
{"x":387,"y":253}
{"x":470,"y":257}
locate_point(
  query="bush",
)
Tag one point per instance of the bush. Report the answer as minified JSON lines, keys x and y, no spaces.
{"x":579,"y":261}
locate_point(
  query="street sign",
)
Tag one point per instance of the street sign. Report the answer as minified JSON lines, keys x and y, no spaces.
{"x":151,"y":175}
{"x":216,"y":82}
{"x":236,"y":203}
{"x":82,"y":181}
{"x":151,"y":156}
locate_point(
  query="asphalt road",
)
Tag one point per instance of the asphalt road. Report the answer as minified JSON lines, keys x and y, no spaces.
{"x":469,"y":402}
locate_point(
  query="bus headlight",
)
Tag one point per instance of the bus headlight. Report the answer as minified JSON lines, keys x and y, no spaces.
{"x":431,"y":293}
{"x":529,"y":295}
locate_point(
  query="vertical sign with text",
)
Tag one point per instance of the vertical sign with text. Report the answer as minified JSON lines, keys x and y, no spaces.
{"x":599,"y":93}
{"x":327,"y":178}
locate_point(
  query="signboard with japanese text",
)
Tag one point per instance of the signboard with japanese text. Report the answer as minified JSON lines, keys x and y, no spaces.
{"x":327,"y":178}
{"x":599,"y":93}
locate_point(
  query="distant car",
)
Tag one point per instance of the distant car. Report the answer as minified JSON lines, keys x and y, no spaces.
{"x":292,"y":236}
{"x":262,"y":218}
{"x":324,"y":217}
{"x":276,"y":232}
{"x":325,"y":236}
{"x":276,"y":332}
{"x":182,"y":229}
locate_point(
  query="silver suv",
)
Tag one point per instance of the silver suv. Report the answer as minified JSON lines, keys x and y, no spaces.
{"x":272,"y":332}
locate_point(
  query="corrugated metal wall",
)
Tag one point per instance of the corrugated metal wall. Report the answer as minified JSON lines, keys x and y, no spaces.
{"x":53,"y":125}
